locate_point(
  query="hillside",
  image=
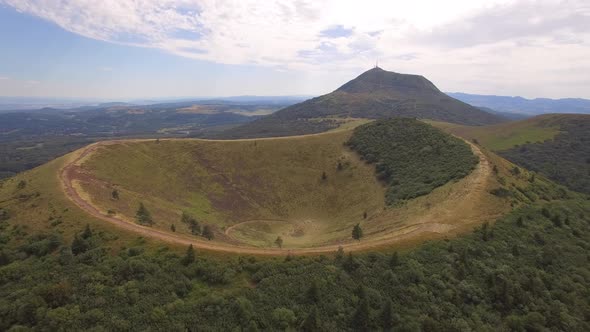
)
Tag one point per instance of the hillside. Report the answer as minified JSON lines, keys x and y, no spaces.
{"x":309,"y":190}
{"x":374,"y":94}
{"x":557,"y":146}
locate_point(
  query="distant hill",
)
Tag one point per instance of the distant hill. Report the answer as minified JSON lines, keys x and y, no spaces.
{"x":507,"y":115}
{"x":374,"y":94}
{"x":526,"y":106}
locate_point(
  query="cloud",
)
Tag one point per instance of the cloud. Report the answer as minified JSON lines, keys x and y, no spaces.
{"x":562,"y":19}
{"x":4,"y":78}
{"x":492,"y":41}
{"x":271,"y":33}
{"x":105,"y":69}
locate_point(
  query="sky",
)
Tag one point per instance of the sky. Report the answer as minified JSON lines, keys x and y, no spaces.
{"x":120,"y":49}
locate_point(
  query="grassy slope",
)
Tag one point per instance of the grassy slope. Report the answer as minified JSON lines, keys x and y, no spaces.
{"x":555,"y":145}
{"x":507,"y":135}
{"x":41,"y":207}
{"x":226,"y":182}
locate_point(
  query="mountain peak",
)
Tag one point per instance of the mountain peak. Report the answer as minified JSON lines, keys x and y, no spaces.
{"x":380,"y":80}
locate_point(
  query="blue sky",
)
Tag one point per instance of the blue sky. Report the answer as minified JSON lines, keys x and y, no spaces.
{"x":41,"y":59}
{"x":175,"y":48}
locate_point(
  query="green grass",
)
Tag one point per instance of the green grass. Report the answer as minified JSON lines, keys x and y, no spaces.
{"x":41,"y":207}
{"x":507,"y":135}
{"x":223,"y":183}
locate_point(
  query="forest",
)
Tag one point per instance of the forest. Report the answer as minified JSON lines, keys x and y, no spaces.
{"x":411,"y":157}
{"x":528,"y":271}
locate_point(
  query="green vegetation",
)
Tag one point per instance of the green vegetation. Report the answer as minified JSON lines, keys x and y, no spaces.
{"x":22,"y":153}
{"x":564,"y":159}
{"x":525,"y":272}
{"x":507,"y":135}
{"x":191,"y":222}
{"x":555,"y":145}
{"x":357,"y":232}
{"x":412,"y":157}
{"x":143,"y":216}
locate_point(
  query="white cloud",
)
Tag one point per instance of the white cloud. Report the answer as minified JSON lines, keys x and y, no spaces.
{"x":495,"y":41}
{"x":105,"y":69}
{"x":4,"y":78}
{"x":251,"y":31}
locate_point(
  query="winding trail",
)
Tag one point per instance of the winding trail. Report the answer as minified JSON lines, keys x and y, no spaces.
{"x":472,"y":187}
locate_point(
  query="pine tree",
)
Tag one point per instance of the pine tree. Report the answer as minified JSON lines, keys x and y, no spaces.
{"x":357,"y":232}
{"x":143,"y":216}
{"x":324,"y":176}
{"x":207,"y":232}
{"x":173,"y":228}
{"x":189,"y":257}
{"x":115,"y":194}
{"x":279,"y":242}
{"x":192,"y":223}
{"x":79,"y":246}
{"x":87,"y":232}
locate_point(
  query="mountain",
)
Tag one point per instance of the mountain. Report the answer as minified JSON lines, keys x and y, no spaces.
{"x":521,"y":105}
{"x":374,"y":94}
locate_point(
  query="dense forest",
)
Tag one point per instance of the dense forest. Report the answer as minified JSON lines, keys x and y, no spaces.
{"x":412,"y":157}
{"x":564,"y":159}
{"x":527,"y":271}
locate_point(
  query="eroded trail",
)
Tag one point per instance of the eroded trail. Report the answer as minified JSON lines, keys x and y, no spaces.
{"x":469,"y":191}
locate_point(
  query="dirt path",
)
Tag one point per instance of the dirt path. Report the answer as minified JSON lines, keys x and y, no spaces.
{"x":474,"y":184}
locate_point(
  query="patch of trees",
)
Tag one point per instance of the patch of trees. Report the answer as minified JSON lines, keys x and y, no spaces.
{"x":526,"y":272}
{"x":411,"y":157}
{"x":143,"y":216}
{"x":191,"y":222}
{"x":564,"y":159}
{"x":205,"y":231}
